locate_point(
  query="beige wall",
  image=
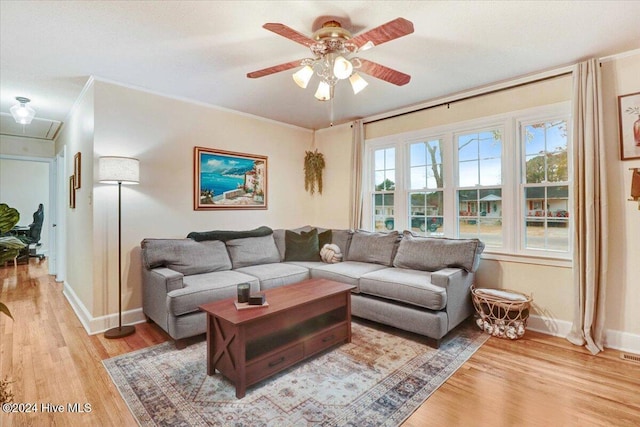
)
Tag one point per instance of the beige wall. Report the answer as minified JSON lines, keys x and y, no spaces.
{"x":162,"y":132}
{"x":26,"y":147}
{"x":621,"y":77}
{"x":77,"y":136}
{"x":332,"y":207}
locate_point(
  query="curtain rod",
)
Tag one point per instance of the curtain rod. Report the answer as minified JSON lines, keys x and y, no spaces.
{"x":465,"y":98}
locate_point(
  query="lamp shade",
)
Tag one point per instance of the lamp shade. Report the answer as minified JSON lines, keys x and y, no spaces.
{"x":114,"y":170}
{"x":302,"y":76}
{"x":324,"y":91}
{"x":342,"y":68}
{"x":357,"y":83}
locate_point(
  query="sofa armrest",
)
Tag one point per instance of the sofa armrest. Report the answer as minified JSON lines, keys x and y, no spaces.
{"x":156,"y":283}
{"x":457,"y":282}
{"x":447,"y":276}
{"x":165,"y":278}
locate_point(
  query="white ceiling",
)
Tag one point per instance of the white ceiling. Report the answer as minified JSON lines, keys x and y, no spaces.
{"x":202,"y":50}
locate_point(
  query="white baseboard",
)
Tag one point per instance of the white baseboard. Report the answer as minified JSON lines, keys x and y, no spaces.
{"x":546,"y":325}
{"x":618,"y":340}
{"x":97,"y":325}
{"x":623,"y":341}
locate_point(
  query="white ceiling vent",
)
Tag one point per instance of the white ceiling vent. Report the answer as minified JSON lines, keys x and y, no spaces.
{"x":38,"y":129}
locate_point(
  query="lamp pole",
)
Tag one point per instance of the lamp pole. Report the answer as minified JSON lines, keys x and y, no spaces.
{"x":120,"y":331}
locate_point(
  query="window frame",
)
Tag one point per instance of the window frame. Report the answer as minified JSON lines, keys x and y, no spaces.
{"x":513,"y":173}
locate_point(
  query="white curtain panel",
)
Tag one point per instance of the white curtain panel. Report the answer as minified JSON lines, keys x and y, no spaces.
{"x":590,"y":209}
{"x":357,"y":154}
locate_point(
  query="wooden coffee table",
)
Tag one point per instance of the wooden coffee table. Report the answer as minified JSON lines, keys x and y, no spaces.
{"x":301,"y":320}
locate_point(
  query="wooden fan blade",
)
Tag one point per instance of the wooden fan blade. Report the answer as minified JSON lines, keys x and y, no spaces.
{"x":290,"y":33}
{"x":384,"y":73}
{"x":274,"y":69}
{"x":386,"y":32}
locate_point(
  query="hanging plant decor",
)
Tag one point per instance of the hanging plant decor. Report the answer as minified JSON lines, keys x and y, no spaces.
{"x":313,"y":167}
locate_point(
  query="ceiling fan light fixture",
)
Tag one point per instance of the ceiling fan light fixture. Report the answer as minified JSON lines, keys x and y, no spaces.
{"x":324,"y":91}
{"x":357,"y":83}
{"x":342,"y":68}
{"x":21,"y":112}
{"x":303,"y":76}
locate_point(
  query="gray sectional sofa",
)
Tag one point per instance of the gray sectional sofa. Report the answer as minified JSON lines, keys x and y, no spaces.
{"x":414,"y":283}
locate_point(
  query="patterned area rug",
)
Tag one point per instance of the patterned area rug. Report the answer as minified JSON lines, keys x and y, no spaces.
{"x":379,"y":379}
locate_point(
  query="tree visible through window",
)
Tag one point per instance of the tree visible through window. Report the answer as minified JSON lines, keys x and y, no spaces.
{"x":546,"y":190}
{"x":480,"y":186}
{"x":384,"y":186}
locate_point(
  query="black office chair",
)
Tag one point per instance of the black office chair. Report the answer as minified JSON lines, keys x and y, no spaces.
{"x":32,"y":238}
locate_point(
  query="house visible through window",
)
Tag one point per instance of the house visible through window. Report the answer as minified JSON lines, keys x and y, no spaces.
{"x":504,"y":180}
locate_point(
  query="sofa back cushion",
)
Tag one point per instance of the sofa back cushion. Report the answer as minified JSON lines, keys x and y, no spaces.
{"x":432,"y":254}
{"x":378,"y":248}
{"x":185,"y":255}
{"x":342,"y":238}
{"x":253,"y":251}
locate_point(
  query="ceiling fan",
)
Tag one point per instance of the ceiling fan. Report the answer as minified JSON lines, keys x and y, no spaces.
{"x":334,"y":50}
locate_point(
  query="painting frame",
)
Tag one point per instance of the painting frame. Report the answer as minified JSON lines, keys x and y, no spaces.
{"x":229,"y":180}
{"x":629,"y":125}
{"x":77,"y":170}
{"x":72,"y":192}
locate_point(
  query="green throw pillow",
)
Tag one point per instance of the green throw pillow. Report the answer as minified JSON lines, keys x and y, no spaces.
{"x":302,"y":247}
{"x":324,"y":238}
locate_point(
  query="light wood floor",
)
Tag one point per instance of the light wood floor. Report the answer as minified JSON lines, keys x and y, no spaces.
{"x":536,"y":381}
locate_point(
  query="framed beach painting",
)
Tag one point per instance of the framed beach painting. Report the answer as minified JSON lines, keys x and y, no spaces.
{"x":228,"y":180}
{"x":629,"y":116}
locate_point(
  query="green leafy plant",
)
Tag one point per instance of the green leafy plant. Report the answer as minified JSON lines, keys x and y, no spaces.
{"x":9,"y":246}
{"x":313,"y":167}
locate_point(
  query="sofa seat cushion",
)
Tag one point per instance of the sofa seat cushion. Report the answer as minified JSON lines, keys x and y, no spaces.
{"x":276,"y":274}
{"x":309,"y":265}
{"x":408,"y":286}
{"x":203,"y":288}
{"x":348,"y":272}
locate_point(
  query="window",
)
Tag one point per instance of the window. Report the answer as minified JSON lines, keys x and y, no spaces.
{"x":426,"y":187}
{"x":383,"y":189}
{"x":479,"y":192}
{"x":503,"y":179}
{"x":545,"y":185}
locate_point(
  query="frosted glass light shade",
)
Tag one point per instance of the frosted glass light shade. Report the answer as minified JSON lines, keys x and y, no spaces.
{"x":302,"y":76}
{"x":113,"y":170}
{"x":324,"y":92}
{"x":357,"y":83}
{"x":342,"y":68}
{"x":22,"y":113}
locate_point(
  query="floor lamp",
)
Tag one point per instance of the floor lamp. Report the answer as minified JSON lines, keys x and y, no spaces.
{"x":119,"y":170}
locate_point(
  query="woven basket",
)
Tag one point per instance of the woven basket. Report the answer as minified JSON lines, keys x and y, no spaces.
{"x":502,"y":313}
